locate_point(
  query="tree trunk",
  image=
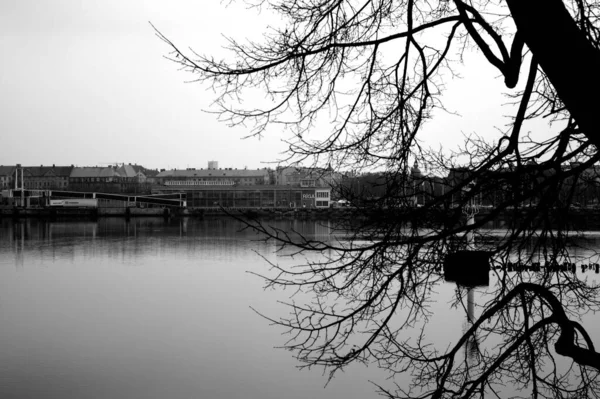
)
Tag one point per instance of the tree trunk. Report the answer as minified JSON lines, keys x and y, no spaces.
{"x":565,"y":55}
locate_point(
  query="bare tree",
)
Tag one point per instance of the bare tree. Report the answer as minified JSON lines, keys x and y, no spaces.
{"x":378,"y":66}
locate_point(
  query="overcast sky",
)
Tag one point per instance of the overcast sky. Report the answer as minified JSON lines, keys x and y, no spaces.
{"x":85,"y":83}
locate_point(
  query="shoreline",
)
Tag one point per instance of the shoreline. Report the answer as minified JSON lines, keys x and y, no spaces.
{"x":127,"y":212}
{"x":580,"y":219}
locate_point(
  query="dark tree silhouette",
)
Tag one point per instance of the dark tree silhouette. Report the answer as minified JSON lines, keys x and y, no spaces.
{"x":377,"y":68}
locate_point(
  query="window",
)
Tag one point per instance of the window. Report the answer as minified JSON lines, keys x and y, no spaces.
{"x":322,"y":194}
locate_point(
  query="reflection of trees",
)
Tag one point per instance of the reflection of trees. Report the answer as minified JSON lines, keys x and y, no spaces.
{"x":369,"y":295}
{"x":379,"y":67}
{"x":532,"y":332}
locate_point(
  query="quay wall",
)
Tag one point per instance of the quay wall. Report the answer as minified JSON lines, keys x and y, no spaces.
{"x":585,"y":220}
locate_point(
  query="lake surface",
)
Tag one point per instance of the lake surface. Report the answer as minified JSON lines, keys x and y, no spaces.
{"x":145,"y":309}
{"x":156,"y":309}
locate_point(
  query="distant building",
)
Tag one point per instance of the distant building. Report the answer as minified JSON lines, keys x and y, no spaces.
{"x":241,"y":188}
{"x":257,"y":196}
{"x":131,"y":174}
{"x":46,"y":177}
{"x":93,"y":174}
{"x":7,"y":176}
{"x":213,"y":164}
{"x":111,"y":179}
{"x":299,"y":176}
{"x":213,"y":177}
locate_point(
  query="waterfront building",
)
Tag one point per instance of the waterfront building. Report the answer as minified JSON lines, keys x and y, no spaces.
{"x":94,"y":174}
{"x":306,"y":177}
{"x":111,"y":179}
{"x":131,"y":174}
{"x":132,"y":179}
{"x":244,"y":196}
{"x":213,"y":177}
{"x":46,"y":177}
{"x":95,"y":179}
{"x":7,"y":176}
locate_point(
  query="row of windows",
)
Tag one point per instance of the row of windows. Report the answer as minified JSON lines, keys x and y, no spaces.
{"x":199,"y":183}
{"x":45,"y":184}
{"x":255,"y":192}
{"x":27,"y":176}
{"x":252,"y":202}
{"x":90,"y":179}
{"x":254,"y":198}
{"x":48,"y":183}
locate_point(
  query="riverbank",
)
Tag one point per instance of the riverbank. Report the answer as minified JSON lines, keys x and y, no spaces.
{"x":580,"y":219}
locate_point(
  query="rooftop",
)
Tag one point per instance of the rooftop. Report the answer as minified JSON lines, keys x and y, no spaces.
{"x":93,"y":172}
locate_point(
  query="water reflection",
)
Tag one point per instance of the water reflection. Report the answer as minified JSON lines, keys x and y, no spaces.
{"x":147,"y":309}
{"x":160,"y":309}
{"x":127,"y":241}
{"x":472,"y":344}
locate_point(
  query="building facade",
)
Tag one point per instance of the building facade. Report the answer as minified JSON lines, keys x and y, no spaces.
{"x":96,"y":174}
{"x":46,"y":177}
{"x":306,"y":177}
{"x":111,"y":179}
{"x":131,"y":174}
{"x":7,"y":176}
{"x":258,"y":196}
{"x":210,"y":177}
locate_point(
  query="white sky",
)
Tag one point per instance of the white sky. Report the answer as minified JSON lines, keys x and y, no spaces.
{"x":84,"y":83}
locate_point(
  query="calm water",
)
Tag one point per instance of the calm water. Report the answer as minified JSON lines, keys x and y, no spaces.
{"x":154,"y":309}
{"x":145,"y":309}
